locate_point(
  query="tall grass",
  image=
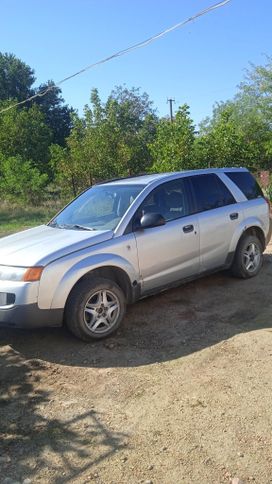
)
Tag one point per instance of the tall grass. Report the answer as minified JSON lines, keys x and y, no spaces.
{"x":14,"y":218}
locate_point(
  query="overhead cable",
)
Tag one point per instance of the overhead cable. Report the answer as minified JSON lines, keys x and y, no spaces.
{"x":143,"y":43}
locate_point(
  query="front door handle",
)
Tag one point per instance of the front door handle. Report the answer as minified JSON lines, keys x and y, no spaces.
{"x":188,"y":228}
{"x":234,"y":216}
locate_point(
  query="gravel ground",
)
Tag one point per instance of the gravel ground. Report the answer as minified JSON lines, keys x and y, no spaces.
{"x":183,"y":393}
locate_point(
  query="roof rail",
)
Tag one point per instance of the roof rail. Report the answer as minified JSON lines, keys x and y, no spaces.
{"x":122,"y":178}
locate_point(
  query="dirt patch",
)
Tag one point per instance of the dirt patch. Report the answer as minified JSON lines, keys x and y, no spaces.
{"x":182,"y":393}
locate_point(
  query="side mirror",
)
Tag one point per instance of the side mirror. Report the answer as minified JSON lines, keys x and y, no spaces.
{"x":149,"y":220}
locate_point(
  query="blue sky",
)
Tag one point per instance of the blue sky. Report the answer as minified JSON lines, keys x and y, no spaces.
{"x":199,"y":64}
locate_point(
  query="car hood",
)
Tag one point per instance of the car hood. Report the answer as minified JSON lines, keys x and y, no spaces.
{"x":41,"y":245}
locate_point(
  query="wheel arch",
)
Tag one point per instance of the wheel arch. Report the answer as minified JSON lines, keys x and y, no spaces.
{"x":258,"y":232}
{"x":104,"y":265}
{"x":253,"y":229}
{"x":251,"y":226}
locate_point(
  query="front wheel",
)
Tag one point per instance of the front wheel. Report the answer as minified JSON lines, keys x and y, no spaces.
{"x":248,"y":257}
{"x":95,"y":308}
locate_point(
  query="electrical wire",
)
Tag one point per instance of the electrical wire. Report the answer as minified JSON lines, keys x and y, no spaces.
{"x":139,"y":45}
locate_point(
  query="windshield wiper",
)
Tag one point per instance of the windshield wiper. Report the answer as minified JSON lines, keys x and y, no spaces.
{"x":81,"y":227}
{"x":69,"y":226}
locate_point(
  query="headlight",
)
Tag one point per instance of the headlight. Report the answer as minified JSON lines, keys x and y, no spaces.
{"x":26,"y":274}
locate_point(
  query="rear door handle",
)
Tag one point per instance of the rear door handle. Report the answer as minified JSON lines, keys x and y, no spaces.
{"x":234,"y":216}
{"x":188,"y":228}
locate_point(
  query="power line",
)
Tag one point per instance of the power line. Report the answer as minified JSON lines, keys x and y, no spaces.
{"x":120,"y":53}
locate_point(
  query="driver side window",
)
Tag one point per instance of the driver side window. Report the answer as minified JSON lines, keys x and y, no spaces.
{"x":169,"y":200}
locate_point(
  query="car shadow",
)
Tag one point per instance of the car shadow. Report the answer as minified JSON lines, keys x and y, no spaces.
{"x":31,"y":442}
{"x":164,"y":327}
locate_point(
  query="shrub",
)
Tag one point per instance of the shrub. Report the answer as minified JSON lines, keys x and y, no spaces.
{"x":20,"y":181}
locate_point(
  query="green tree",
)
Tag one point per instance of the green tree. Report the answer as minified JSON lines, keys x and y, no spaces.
{"x":16,"y":84}
{"x":73,"y":165}
{"x":257,"y":89}
{"x":57,"y":115}
{"x":129,"y":115}
{"x":223,"y":142}
{"x":254,"y":110}
{"x":16,"y":78}
{"x":24,"y":133}
{"x":111,"y":140}
{"x":20,"y":181}
{"x":172,"y":148}
{"x":242,"y":127}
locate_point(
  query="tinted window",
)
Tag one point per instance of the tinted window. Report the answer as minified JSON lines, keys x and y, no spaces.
{"x":210,"y":192}
{"x":169,"y":199}
{"x":247,"y":184}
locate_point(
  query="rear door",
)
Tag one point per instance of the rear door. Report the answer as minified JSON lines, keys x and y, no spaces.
{"x":170,"y":252}
{"x":218,"y":216}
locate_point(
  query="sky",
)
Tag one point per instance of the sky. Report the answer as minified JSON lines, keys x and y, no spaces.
{"x":199,"y":64}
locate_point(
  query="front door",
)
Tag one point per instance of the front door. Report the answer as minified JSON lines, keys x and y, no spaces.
{"x":170,"y":252}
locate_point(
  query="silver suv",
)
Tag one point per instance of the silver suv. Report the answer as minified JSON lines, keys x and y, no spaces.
{"x":125,"y":239}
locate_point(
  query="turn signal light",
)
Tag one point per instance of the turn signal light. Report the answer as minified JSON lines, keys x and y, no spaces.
{"x":33,"y":274}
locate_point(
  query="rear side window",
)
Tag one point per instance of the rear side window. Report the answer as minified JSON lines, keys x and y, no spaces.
{"x":210,"y":192}
{"x":247,"y":184}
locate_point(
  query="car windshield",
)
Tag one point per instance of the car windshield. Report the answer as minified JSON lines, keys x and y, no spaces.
{"x":99,"y":208}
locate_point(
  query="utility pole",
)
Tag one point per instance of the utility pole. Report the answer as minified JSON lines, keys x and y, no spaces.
{"x":171,"y":101}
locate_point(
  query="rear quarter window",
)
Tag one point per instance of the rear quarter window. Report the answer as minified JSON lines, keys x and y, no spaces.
{"x":210,"y":192}
{"x":246,"y":183}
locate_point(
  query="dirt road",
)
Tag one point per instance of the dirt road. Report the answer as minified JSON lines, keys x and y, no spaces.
{"x":182,"y":394}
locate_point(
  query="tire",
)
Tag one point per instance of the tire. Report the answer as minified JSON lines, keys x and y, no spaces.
{"x":248,"y":257}
{"x":95,"y":308}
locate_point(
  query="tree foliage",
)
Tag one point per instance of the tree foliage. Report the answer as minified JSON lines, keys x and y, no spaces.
{"x":224,"y":142}
{"x":240,"y":130}
{"x":16,"y":78}
{"x":20,"y":181}
{"x":46,"y":142}
{"x":24,"y":133}
{"x":57,"y":115}
{"x":16,"y":84}
{"x":110,"y":140}
{"x":172,"y":148}
{"x":257,"y":89}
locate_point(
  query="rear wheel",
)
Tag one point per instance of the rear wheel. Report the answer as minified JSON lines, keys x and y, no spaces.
{"x":95,"y":308}
{"x":248,"y":257}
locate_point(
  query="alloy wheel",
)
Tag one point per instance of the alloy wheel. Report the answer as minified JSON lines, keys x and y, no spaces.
{"x":252,"y":257}
{"x":101,"y":311}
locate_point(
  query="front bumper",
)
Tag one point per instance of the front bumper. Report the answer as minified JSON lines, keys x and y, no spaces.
{"x":24,"y":312}
{"x":30,"y":316}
